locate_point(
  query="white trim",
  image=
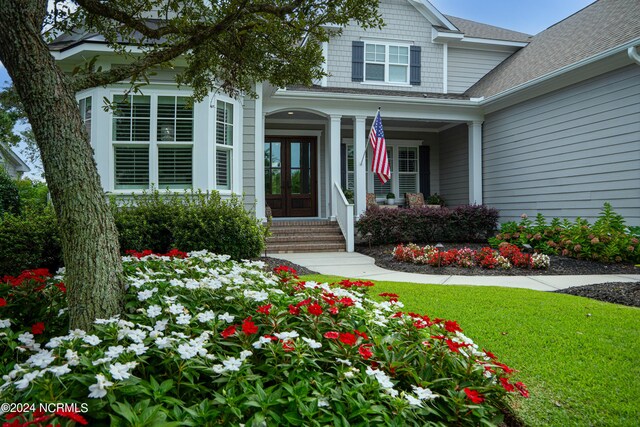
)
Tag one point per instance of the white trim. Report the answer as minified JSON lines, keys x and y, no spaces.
{"x":387,"y":41}
{"x":432,"y":14}
{"x":377,"y":83}
{"x":259,"y":123}
{"x":445,"y":68}
{"x":387,"y":64}
{"x":475,"y":162}
{"x":292,"y":132}
{"x":325,"y":65}
{"x":334,"y":161}
{"x":493,"y":42}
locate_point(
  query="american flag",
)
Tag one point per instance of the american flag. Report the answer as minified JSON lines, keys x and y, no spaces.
{"x":380,"y":163}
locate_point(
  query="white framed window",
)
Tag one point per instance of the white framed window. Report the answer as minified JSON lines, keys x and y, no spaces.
{"x":224,"y":136}
{"x":405,"y":170}
{"x":386,"y":63}
{"x":381,"y":190}
{"x":351,"y":168}
{"x":85,"y":113}
{"x":152,"y":138}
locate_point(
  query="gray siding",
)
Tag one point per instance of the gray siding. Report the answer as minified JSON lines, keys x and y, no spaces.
{"x":248,"y":153}
{"x":454,"y":165}
{"x":566,"y":153}
{"x":402,"y":23}
{"x":466,"y":66}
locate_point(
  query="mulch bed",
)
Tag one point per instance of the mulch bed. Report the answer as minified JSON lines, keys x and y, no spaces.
{"x":272,"y":263}
{"x":559,"y":265}
{"x":625,"y":293}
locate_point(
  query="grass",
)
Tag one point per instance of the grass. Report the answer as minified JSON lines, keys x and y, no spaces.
{"x":579,"y":357}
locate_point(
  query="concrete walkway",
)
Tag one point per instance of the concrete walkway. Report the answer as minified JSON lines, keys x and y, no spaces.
{"x":355,"y":265}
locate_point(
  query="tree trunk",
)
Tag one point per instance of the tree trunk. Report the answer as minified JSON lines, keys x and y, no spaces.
{"x":89,"y":237}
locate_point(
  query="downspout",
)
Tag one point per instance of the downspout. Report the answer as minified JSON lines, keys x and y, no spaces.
{"x":633,"y":54}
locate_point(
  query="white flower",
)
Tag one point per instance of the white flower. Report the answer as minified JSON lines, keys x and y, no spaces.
{"x":26,"y":380}
{"x":322,"y":402}
{"x":244,"y":354}
{"x":424,"y":393}
{"x":183,"y":319}
{"x":114,"y":351}
{"x":120,"y":371}
{"x":261,"y":341}
{"x":154,"y":311}
{"x":344,"y":361}
{"x":101,"y":361}
{"x":226,"y":317}
{"x":206,"y":316}
{"x":79,"y":333}
{"x":146,"y":294}
{"x":284,"y":336}
{"x":161,"y":325}
{"x":136,"y":335}
{"x":312,"y":343}
{"x":42,"y":359}
{"x":187,"y":351}
{"x":139,"y":349}
{"x":5,"y":323}
{"x":163,"y":342}
{"x":351,"y":373}
{"x":59,"y":370}
{"x":176,"y":308}
{"x":412,"y":400}
{"x":232,"y":364}
{"x":98,"y":390}
{"x":229,"y":298}
{"x":55,"y":342}
{"x":92,"y":340}
{"x":72,"y":357}
{"x":26,"y":339}
{"x":256,"y":295}
{"x":62,"y":311}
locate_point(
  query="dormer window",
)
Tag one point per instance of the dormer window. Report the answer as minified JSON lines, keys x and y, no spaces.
{"x":386,"y":63}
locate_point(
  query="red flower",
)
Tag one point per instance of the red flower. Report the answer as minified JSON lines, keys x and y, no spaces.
{"x":398,"y":314}
{"x":37,"y":328}
{"x":361,"y":334}
{"x":304,"y":302}
{"x":271,"y":337}
{"x":489,"y":354}
{"x":365,"y":352}
{"x":474,"y":396}
{"x":438,"y":337}
{"x":506,"y":385}
{"x":229,"y":331}
{"x":283,"y":270}
{"x":420,"y":324}
{"x":347,"y":338}
{"x":504,"y":367}
{"x":314,"y":309}
{"x":3,"y":302}
{"x":61,"y":286}
{"x":331,"y":335}
{"x":522,"y":389}
{"x":454,"y":346}
{"x":392,"y":297}
{"x":287,"y":346}
{"x":346,"y":301}
{"x":248,"y":327}
{"x":265,"y":309}
{"x":452,"y":326}
{"x":72,"y":416}
{"x":294,"y":310}
{"x":333,"y":310}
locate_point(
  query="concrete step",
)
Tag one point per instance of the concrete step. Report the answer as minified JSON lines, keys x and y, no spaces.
{"x":301,"y":222}
{"x":309,"y":231}
{"x":305,"y":247}
{"x":307,"y":237}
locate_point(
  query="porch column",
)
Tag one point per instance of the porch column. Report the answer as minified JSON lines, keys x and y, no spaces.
{"x":259,"y":155}
{"x":334,"y":161}
{"x":475,"y":162}
{"x":360,"y":185}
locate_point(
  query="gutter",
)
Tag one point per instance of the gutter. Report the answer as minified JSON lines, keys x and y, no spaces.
{"x":633,"y":54}
{"x":474,"y":102}
{"x":629,"y":47}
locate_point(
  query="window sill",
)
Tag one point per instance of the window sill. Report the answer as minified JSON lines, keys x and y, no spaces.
{"x":386,"y":84}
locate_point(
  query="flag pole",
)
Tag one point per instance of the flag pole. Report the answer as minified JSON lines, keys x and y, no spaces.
{"x":367,"y":144}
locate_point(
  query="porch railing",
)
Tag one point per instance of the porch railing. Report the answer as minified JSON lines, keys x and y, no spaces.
{"x":344,"y":216}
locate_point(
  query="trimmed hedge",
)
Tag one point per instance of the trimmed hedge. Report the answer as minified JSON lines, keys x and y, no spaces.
{"x":472,"y":223}
{"x":190,"y":221}
{"x":9,"y":197}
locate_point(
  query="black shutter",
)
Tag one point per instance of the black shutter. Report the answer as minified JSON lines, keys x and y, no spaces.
{"x":425,"y":182}
{"x":414,"y":61}
{"x":357,"y":61}
{"x":343,"y":165}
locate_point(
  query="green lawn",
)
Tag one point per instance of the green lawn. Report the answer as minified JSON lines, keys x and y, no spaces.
{"x":580,"y":358}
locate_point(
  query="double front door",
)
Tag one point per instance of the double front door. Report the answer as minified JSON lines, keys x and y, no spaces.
{"x":290,"y":176}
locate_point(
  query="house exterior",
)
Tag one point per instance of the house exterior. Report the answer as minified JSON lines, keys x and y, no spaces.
{"x":479,"y":114}
{"x":11,"y":162}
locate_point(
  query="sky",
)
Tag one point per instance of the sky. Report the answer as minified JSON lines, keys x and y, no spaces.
{"x":526,"y":16}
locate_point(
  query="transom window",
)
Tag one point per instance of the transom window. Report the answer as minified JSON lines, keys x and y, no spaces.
{"x":152,"y":140}
{"x":386,"y":63}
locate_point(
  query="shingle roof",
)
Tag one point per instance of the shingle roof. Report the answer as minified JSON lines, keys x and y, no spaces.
{"x":379,"y":92}
{"x":601,"y":26}
{"x":484,"y":31}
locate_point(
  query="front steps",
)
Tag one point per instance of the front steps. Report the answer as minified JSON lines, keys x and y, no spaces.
{"x":291,"y":236}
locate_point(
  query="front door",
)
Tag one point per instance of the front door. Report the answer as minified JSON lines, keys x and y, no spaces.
{"x":291,"y":176}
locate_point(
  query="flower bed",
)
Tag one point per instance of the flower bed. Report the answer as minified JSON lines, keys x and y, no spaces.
{"x":506,"y":257}
{"x":206,"y":340}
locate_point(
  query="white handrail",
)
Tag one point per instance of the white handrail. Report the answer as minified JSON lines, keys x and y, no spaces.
{"x":344,"y":216}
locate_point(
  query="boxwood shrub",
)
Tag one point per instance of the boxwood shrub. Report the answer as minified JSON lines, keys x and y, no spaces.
{"x":472,"y":223}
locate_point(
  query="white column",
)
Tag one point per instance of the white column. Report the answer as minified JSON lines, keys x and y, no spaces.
{"x":359,"y":145}
{"x":259,"y":154}
{"x":475,"y":162}
{"x":334,"y":160}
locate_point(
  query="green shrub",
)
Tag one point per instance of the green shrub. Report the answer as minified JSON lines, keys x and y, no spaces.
{"x":425,"y":225}
{"x":191,"y":221}
{"x":9,"y":198}
{"x":607,"y":240}
{"x":33,"y":194}
{"x":28,"y":241}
